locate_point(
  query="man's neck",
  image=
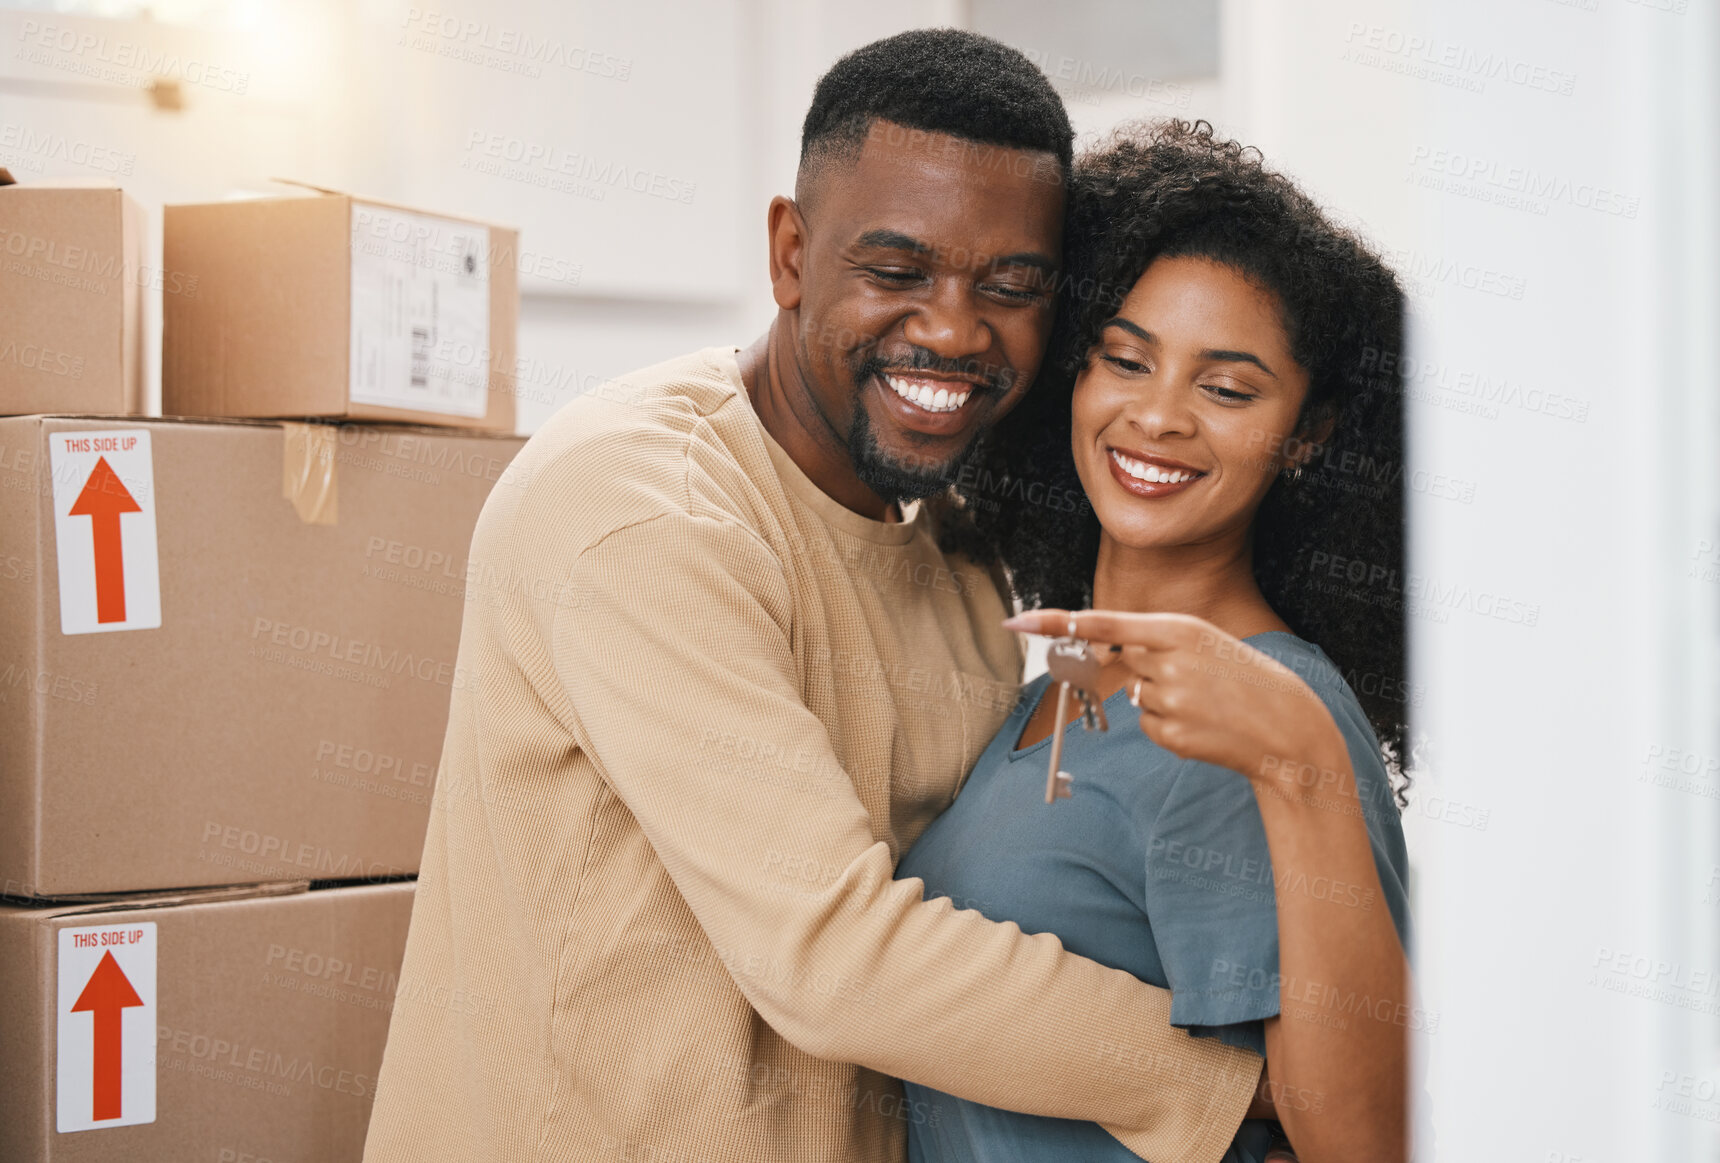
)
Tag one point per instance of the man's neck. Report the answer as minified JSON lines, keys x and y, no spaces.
{"x":785,"y":407}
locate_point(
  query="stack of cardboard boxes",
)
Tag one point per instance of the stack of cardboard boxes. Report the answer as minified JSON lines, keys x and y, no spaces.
{"x":227,"y":646}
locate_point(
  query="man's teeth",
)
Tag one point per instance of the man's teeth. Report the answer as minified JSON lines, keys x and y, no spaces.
{"x":924,"y":395}
{"x":1141,"y":470}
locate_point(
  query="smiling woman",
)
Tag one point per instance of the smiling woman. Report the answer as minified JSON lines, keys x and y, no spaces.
{"x":1167,"y":217}
{"x":1187,"y":406}
{"x":1244,"y":842}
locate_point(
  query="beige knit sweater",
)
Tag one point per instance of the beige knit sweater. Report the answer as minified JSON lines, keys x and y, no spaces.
{"x":700,"y":711}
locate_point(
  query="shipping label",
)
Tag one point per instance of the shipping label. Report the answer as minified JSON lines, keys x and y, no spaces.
{"x":420,"y":312}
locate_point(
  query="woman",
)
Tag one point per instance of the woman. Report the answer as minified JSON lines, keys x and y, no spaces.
{"x":1243,"y":847}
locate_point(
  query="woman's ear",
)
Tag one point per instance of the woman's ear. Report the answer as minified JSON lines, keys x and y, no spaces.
{"x":1311,"y":435}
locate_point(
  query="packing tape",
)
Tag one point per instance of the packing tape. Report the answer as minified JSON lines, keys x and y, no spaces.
{"x":308,"y":477}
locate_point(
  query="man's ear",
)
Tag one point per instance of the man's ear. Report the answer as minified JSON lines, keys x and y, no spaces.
{"x":787,"y":231}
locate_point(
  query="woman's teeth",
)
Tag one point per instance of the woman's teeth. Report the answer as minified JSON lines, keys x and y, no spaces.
{"x":924,"y":394}
{"x":1142,"y":471}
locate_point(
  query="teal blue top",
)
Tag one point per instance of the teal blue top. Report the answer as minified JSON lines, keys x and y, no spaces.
{"x":1157,"y":865}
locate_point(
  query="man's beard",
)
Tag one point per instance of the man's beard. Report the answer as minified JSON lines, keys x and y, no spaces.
{"x":894,"y":479}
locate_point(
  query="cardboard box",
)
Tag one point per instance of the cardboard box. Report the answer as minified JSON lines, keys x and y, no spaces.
{"x":70,"y":270}
{"x":227,"y":650}
{"x":233,"y":1025}
{"x":323,"y":304}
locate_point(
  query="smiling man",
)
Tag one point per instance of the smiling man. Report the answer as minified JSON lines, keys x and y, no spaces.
{"x":729,"y":680}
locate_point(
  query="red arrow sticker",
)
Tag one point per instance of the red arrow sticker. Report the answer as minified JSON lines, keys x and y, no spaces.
{"x":109,"y":991}
{"x":106,"y":1051}
{"x":104,"y":528}
{"x":103,"y":499}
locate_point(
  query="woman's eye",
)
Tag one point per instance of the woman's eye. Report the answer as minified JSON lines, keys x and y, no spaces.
{"x":1132,"y":367}
{"x":1230,"y":395}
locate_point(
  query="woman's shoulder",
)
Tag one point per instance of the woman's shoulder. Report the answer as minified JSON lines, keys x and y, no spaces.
{"x":1306,"y":660}
{"x":1374,"y":786}
{"x":1315,"y":667}
{"x":1329,"y":683}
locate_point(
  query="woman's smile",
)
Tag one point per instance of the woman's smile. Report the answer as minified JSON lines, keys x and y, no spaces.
{"x":1185,"y":383}
{"x":1146,"y":475}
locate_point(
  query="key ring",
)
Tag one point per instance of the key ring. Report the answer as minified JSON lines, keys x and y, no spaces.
{"x":1075,"y":668}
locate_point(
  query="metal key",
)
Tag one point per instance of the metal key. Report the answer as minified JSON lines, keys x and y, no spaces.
{"x":1075,"y":666}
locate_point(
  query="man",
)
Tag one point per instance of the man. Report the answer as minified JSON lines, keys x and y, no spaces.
{"x":656,"y":919}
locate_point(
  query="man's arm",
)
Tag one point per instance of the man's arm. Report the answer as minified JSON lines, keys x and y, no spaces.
{"x":682,"y":666}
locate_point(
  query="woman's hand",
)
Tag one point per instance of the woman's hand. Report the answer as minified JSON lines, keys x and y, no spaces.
{"x":1209,"y":696}
{"x":1206,"y":695}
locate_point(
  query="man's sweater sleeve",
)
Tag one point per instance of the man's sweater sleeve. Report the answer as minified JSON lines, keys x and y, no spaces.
{"x":681,"y":671}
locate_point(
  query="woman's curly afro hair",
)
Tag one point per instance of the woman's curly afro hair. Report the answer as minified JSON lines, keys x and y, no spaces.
{"x":1329,"y":545}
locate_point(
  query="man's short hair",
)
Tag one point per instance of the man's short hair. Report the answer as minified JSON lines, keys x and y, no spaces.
{"x":940,"y":80}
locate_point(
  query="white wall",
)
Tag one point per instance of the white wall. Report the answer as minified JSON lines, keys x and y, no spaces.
{"x":1566,"y":902}
{"x":1589,"y":889}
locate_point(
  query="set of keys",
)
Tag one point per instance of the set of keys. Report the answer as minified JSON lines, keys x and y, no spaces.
{"x":1075,"y":666}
